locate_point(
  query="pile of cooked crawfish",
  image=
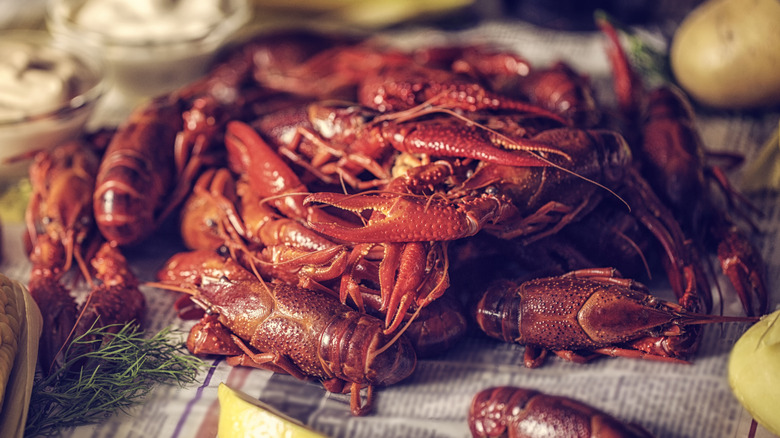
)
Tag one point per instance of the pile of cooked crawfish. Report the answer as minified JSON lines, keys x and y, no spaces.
{"x":327,"y":190}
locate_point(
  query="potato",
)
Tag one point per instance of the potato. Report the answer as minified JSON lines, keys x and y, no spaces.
{"x":726,"y":53}
{"x":754,"y":371}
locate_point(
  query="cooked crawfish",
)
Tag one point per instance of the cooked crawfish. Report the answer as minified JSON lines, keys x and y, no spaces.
{"x":137,"y":172}
{"x":673,"y":159}
{"x":61,"y":230}
{"x":271,"y":216}
{"x":306,"y":333}
{"x":401,"y":87}
{"x":585,"y":314}
{"x":557,"y":88}
{"x":513,"y":412}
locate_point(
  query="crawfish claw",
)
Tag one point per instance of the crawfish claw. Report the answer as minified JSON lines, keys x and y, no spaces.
{"x":403,"y":218}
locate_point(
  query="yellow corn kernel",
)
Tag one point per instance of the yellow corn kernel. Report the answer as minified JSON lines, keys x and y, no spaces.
{"x":9,"y":330}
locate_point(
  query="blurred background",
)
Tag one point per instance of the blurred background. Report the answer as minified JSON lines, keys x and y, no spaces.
{"x":559,"y":14}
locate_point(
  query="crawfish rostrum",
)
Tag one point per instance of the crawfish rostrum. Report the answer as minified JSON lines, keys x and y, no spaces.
{"x":332,"y":183}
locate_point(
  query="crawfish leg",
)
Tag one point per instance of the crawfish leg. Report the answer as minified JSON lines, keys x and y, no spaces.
{"x":266,"y":361}
{"x":572,"y":356}
{"x":637,"y":354}
{"x":534,"y":356}
{"x":548,"y":220}
{"x":350,"y":286}
{"x":744,"y":267}
{"x":321,"y":167}
{"x":355,"y":406}
{"x":339,"y":386}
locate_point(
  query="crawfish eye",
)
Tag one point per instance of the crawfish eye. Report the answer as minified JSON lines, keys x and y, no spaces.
{"x":211,"y":223}
{"x":223,"y":251}
{"x":491,"y":190}
{"x":46,"y":220}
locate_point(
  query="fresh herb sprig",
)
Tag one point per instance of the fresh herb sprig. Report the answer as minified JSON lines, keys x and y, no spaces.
{"x":648,"y":56}
{"x":105,"y":373}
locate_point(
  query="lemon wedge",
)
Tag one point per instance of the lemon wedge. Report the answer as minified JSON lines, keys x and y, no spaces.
{"x":242,"y":416}
{"x":754,"y":371}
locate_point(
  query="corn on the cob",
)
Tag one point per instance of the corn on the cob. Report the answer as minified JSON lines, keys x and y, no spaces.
{"x":20,"y":330}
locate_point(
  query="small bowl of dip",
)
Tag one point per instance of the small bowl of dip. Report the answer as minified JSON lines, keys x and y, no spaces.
{"x":150,"y":47}
{"x":47,"y":95}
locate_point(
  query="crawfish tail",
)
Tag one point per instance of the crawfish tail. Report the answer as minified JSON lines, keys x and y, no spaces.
{"x":527,"y":413}
{"x":137,"y":172}
{"x":497,"y":312}
{"x":348,"y":347}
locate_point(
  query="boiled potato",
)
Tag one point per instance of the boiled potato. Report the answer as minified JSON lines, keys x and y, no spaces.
{"x":754,"y":371}
{"x":726,"y":53}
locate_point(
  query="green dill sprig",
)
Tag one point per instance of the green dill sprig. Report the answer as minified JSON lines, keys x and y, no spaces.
{"x":650,"y":62}
{"x":105,"y":373}
{"x":648,"y":58}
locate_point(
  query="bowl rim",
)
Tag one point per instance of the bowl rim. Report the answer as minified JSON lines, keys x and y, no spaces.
{"x":94,"y":90}
{"x":237,"y":15}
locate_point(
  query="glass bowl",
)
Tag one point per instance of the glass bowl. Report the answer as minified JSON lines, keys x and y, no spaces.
{"x":150,"y":47}
{"x":47,"y":95}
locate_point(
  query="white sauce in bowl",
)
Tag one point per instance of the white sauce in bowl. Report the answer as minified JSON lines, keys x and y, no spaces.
{"x":35,"y":80}
{"x":139,"y":21}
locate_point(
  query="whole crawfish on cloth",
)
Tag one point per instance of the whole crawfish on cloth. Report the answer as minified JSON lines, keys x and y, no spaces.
{"x":61,"y":230}
{"x":514,"y":412}
{"x":673,"y":159}
{"x":306,"y":333}
{"x":585,"y":314}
